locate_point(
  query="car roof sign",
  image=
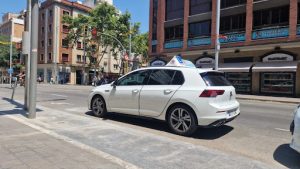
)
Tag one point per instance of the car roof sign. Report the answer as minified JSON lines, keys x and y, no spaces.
{"x":177,"y":61}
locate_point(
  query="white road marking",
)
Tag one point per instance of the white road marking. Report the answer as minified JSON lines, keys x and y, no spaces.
{"x":59,"y":95}
{"x":60,"y":103}
{"x":282,"y":129}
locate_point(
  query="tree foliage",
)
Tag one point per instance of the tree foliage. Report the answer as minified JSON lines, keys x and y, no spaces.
{"x":113,"y":30}
{"x":5,"y":51}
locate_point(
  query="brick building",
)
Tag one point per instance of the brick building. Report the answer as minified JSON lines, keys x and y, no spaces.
{"x":57,"y":59}
{"x":260,"y":48}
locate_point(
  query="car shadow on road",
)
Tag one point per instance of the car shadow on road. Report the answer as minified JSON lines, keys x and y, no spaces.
{"x":18,"y":109}
{"x":201,"y":133}
{"x":287,"y":156}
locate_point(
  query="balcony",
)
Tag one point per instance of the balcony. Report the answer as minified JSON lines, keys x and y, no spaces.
{"x":270,"y":33}
{"x":199,"y":41}
{"x":173,"y":44}
{"x":233,"y":37}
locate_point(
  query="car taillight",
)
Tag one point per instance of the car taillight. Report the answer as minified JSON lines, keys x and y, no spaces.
{"x":212,"y":93}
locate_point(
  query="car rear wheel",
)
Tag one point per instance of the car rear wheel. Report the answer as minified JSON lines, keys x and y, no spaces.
{"x":98,"y":106}
{"x":182,"y":120}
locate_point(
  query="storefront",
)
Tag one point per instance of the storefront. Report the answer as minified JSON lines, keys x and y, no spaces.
{"x":157,"y":62}
{"x":205,"y":62}
{"x":277,"y":74}
{"x":239,"y":74}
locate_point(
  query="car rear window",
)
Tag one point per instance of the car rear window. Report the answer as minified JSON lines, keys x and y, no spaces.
{"x":215,"y":79}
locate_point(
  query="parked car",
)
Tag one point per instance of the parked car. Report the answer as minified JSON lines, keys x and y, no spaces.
{"x":295,"y":130}
{"x":184,"y":97}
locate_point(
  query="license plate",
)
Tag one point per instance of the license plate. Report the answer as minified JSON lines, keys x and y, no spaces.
{"x":231,"y":112}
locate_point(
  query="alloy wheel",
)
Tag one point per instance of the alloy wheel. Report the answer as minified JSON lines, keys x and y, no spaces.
{"x":180,"y":120}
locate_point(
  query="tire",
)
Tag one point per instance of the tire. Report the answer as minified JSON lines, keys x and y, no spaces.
{"x":182,"y":120}
{"x":99,"y":106}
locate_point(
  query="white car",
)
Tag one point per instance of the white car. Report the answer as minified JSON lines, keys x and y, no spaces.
{"x":295,"y":129}
{"x":184,"y":97}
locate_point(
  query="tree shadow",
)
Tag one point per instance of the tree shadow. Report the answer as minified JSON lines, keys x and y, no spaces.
{"x":18,"y":109}
{"x":150,"y":123}
{"x":287,"y":156}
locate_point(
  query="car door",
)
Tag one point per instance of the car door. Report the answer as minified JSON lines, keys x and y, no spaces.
{"x":161,"y":86}
{"x":124,"y":96}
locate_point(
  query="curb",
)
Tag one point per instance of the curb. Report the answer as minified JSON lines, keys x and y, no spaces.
{"x":269,"y":100}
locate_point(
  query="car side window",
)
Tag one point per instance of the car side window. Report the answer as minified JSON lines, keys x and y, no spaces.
{"x":135,"y":78}
{"x":178,"y":78}
{"x":161,"y":77}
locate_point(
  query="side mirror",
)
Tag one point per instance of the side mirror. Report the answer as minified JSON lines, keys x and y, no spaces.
{"x":114,"y":84}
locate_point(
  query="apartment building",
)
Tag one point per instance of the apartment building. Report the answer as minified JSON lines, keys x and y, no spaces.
{"x":56,"y":58}
{"x":260,"y":40}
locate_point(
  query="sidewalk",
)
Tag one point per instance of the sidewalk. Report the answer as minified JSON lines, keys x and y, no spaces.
{"x":269,"y":98}
{"x":57,"y":139}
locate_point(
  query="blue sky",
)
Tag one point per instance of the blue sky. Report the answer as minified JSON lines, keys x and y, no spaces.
{"x":139,"y":9}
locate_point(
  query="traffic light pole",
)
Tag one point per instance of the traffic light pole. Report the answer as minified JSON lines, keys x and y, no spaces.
{"x":27,"y":57}
{"x":33,"y":59}
{"x":217,"y":42}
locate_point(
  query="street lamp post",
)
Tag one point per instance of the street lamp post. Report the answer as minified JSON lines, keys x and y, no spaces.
{"x":217,"y":42}
{"x":11,"y":47}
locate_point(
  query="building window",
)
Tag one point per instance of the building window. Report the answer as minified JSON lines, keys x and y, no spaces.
{"x":50,"y":28}
{"x":65,"y":57}
{"x":174,"y":33}
{"x":154,"y":48}
{"x":79,"y":45}
{"x":116,"y":66}
{"x":200,"y":6}
{"x":229,"y":3}
{"x":66,"y":13}
{"x":42,"y":57}
{"x":174,"y":9}
{"x":84,"y":59}
{"x":49,"y":56}
{"x":65,"y":29}
{"x":50,"y":13}
{"x":65,"y":43}
{"x":43,"y":30}
{"x":43,"y":43}
{"x":271,"y":17}
{"x":233,"y":23}
{"x":199,"y":29}
{"x":43,"y":16}
{"x":79,"y":58}
{"x":49,"y":42}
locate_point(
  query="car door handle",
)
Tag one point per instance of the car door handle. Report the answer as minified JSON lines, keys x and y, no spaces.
{"x":135,"y":91}
{"x":168,"y":91}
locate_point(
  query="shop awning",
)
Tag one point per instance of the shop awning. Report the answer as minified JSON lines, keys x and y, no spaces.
{"x":235,"y":67}
{"x":275,"y":67}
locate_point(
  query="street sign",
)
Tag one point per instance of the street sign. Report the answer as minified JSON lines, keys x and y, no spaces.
{"x":10,"y":71}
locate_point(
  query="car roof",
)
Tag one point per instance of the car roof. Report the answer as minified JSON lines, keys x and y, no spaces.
{"x":200,"y":70}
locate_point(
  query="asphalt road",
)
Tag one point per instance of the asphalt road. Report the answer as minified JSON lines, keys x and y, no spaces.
{"x":261,"y":132}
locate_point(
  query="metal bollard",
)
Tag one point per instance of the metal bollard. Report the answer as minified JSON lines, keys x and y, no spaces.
{"x":14,"y":88}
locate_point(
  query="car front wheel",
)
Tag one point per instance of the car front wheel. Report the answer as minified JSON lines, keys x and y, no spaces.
{"x":98,"y":106}
{"x":182,"y":120}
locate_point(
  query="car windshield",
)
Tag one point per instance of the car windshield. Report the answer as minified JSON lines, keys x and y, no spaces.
{"x":215,"y":79}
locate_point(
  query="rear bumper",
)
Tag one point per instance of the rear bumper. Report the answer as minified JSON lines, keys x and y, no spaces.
{"x":221,"y":122}
{"x":218,"y":119}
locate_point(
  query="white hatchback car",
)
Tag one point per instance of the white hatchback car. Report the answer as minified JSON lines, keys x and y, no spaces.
{"x":295,"y":129}
{"x":184,"y":97}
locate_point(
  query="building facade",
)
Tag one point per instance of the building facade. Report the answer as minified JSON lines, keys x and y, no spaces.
{"x":56,"y":58}
{"x":260,"y":40}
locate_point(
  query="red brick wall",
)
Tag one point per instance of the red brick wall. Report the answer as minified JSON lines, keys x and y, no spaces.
{"x":186,"y":24}
{"x":150,"y":27}
{"x":160,"y":26}
{"x":293,"y":19}
{"x":249,"y":21}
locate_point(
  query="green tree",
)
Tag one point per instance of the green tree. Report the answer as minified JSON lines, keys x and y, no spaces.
{"x":110,"y":25}
{"x":5,"y":51}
